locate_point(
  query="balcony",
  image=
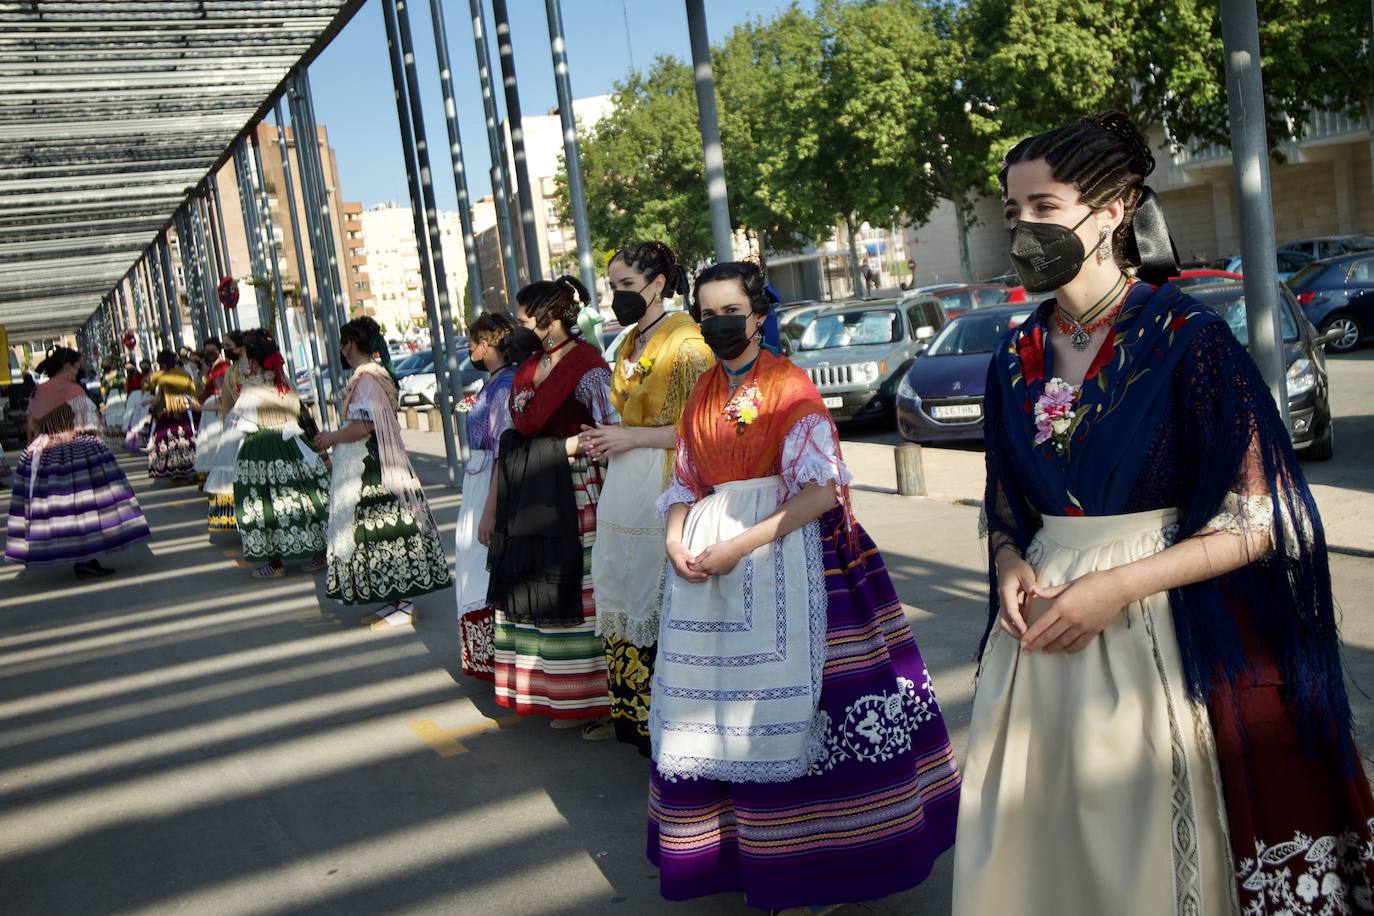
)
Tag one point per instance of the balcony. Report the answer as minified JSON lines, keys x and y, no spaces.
{"x":1324,"y":128}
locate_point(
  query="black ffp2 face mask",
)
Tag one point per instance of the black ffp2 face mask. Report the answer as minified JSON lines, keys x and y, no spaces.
{"x":726,"y":335}
{"x":628,"y":305}
{"x":1047,"y":255}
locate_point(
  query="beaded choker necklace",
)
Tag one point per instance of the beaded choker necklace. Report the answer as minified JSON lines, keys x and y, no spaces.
{"x":1080,"y":331}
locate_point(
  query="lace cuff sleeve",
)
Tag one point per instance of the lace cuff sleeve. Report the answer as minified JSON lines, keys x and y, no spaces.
{"x":594,"y":393}
{"x":686,"y":487}
{"x":811,"y":454}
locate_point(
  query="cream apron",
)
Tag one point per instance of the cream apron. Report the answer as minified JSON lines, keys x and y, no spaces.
{"x":470,"y":556}
{"x":1090,"y":783}
{"x":629,"y":562}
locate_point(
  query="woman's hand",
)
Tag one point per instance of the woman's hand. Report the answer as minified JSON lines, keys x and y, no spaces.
{"x":718,"y":559}
{"x":681,"y":558}
{"x":1015,"y":584}
{"x":487,"y":525}
{"x":601,"y":441}
{"x":1075,"y":613}
{"x":323,"y":441}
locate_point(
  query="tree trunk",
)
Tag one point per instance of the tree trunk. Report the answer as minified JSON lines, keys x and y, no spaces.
{"x":961,"y":221}
{"x":855,"y":274}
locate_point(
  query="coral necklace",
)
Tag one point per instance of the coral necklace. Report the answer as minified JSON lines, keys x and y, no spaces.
{"x":1103,"y":311}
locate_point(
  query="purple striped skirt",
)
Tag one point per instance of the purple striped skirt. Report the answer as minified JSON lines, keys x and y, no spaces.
{"x":80,"y":505}
{"x":879,"y":805}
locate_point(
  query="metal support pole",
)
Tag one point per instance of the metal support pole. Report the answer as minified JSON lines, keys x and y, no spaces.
{"x":209,"y":267}
{"x":428,"y":279}
{"x":275,"y":262}
{"x":572,"y":158}
{"x":310,"y":194}
{"x":307,"y":304}
{"x":144,"y":301}
{"x":709,"y":123}
{"x":331,"y":250}
{"x":257,"y":256}
{"x":431,"y":212}
{"x":455,"y":148}
{"x":227,"y":267}
{"x":506,"y":53}
{"x":169,"y":277}
{"x":159,"y":287}
{"x":498,"y":161}
{"x":195,"y":290}
{"x":1250,"y":163}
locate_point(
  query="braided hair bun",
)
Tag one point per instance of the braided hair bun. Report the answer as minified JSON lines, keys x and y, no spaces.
{"x":547,"y":301}
{"x":652,"y":260}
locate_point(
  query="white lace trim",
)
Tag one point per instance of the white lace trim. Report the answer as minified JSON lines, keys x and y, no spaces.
{"x":1308,"y":876}
{"x":675,"y":766}
{"x":810,"y":454}
{"x":1246,"y":514}
{"x":636,"y":630}
{"x":676,"y":493}
{"x":471,"y":606}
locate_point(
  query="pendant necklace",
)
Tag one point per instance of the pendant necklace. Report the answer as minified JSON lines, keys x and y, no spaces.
{"x":641,"y":332}
{"x":1080,"y":331}
{"x":548,"y":354}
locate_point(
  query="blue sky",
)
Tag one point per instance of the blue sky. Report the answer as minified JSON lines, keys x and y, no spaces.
{"x":351,"y":80}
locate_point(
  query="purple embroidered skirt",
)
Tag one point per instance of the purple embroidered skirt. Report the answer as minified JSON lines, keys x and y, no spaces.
{"x":80,"y":506}
{"x":880,"y":804}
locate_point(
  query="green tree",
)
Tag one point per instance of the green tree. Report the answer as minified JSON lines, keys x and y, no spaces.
{"x":643,"y":166}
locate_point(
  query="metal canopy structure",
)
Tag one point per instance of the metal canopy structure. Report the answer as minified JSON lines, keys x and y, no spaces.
{"x":110,"y":113}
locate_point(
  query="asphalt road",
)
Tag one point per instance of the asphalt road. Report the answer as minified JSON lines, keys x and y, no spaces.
{"x":183,"y":739}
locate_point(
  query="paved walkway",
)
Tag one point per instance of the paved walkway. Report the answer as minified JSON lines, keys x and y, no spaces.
{"x":183,"y":739}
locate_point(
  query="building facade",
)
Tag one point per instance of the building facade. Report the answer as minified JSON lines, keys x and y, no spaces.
{"x":393,"y":267}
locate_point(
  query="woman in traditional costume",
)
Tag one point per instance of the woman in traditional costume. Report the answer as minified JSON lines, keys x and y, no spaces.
{"x":211,"y":418}
{"x":489,"y":340}
{"x":799,"y":754}
{"x":655,"y":369}
{"x":281,"y":484}
{"x":172,"y":451}
{"x":541,"y":526}
{"x":384,"y":547}
{"x":1160,"y":723}
{"x":116,"y":398}
{"x":138,"y":424}
{"x":70,"y":503}
{"x":219,"y":481}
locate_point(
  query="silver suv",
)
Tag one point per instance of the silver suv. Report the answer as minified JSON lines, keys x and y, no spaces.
{"x":856,"y":352}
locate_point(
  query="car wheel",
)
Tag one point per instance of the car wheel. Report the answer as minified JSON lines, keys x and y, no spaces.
{"x":1324,"y":448}
{"x":1351,"y":333}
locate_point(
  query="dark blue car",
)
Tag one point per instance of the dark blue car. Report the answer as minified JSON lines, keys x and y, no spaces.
{"x":940,"y":399}
{"x":1337,"y":294}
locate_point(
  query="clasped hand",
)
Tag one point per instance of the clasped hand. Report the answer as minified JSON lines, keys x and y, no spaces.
{"x":603,"y":440}
{"x":1059,"y":618}
{"x":716,"y":560}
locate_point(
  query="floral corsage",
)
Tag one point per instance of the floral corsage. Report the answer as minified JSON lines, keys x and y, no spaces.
{"x":643,"y":367}
{"x":1055,"y":415}
{"x":467,"y":403}
{"x":520,"y":399}
{"x":743,"y":408}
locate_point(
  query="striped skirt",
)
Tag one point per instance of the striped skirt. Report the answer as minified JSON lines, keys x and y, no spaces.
{"x":560,"y":673}
{"x":880,"y":803}
{"x":80,"y":506}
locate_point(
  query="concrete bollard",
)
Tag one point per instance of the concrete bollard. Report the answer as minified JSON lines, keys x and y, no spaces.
{"x":412,"y":418}
{"x":426,"y":421}
{"x":911,"y":472}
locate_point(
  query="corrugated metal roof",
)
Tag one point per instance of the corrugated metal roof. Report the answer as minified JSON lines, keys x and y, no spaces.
{"x":109,"y":113}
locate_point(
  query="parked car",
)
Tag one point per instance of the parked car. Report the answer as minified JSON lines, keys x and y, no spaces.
{"x":1289,"y":263}
{"x":1330,"y":246}
{"x":1202,"y":276}
{"x":1338,"y":294}
{"x":856,"y":352}
{"x":960,"y":299}
{"x":419,"y":361}
{"x":940,"y":397}
{"x":1309,"y":407}
{"x":420,"y":386}
{"x":305,"y":385}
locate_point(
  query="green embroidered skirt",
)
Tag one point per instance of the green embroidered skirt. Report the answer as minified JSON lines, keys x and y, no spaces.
{"x":393,"y":558}
{"x":281,"y":502}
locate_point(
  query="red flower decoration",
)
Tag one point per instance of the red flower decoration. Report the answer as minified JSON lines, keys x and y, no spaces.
{"x":1073,"y":510}
{"x":1030,"y":346}
{"x":228,"y":292}
{"x":1104,"y":355}
{"x":130,"y":341}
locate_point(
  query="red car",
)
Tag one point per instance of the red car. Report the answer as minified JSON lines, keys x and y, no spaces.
{"x":960,"y":299}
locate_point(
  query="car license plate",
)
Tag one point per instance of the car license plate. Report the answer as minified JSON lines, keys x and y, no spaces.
{"x":834,"y":402}
{"x":956,"y":412}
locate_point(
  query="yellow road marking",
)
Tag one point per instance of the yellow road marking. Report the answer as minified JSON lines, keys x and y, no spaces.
{"x":444,"y":741}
